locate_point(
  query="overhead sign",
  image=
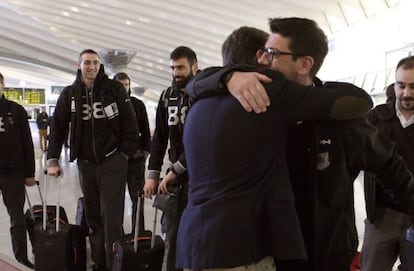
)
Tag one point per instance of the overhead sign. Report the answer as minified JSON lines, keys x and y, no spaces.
{"x":26,"y":96}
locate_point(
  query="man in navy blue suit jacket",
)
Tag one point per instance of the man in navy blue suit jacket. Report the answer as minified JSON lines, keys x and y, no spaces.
{"x":240,"y":205}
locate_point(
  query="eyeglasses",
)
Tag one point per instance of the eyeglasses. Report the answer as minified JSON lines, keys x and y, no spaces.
{"x":271,"y":53}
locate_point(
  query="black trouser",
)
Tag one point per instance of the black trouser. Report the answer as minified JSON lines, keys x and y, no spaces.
{"x":293,"y":265}
{"x":135,"y":181}
{"x":171,"y":224}
{"x":12,"y":186}
{"x":103,"y":187}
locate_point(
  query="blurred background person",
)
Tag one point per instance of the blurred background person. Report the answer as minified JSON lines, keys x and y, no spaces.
{"x":42,"y":122}
{"x":136,"y":163}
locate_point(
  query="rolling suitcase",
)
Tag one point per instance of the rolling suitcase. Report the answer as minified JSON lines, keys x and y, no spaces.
{"x":409,"y":246}
{"x":58,"y":246}
{"x":143,"y":252}
{"x":34,"y":215}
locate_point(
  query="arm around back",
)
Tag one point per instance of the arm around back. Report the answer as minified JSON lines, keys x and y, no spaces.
{"x":291,"y":101}
{"x":333,"y":100}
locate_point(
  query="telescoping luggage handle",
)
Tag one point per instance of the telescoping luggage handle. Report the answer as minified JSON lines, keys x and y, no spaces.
{"x":137,"y":223}
{"x":30,"y":203}
{"x":57,"y":203}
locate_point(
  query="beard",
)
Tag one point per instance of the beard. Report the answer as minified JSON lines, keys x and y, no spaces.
{"x":182,"y":82}
{"x":406,"y":104}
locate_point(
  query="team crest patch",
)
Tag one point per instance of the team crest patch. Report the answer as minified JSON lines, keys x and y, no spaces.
{"x":323,"y":161}
{"x":111,"y":110}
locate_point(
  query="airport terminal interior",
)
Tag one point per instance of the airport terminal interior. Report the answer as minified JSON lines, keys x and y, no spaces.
{"x":40,"y":42}
{"x":70,"y":192}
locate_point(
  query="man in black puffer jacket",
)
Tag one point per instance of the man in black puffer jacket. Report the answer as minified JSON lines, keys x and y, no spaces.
{"x":103,"y":135}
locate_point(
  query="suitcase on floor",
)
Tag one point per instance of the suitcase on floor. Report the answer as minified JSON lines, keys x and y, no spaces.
{"x":81,"y":217}
{"x":34,"y":215}
{"x":409,"y":246}
{"x":145,"y":252}
{"x":58,"y":246}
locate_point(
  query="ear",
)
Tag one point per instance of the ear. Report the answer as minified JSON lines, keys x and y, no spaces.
{"x":259,"y":54}
{"x":306,"y":64}
{"x":195,"y":68}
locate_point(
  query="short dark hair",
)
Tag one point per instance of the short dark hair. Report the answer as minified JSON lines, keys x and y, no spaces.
{"x":406,"y":63}
{"x":87,"y":51}
{"x":307,"y":39}
{"x":390,"y":92}
{"x":242,"y":44}
{"x":121,"y":76}
{"x":1,"y":78}
{"x":183,"y":51}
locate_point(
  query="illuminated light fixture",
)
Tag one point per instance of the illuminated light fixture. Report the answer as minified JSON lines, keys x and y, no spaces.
{"x":128,"y":22}
{"x":116,"y":59}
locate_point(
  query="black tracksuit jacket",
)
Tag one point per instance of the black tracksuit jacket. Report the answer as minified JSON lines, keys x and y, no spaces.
{"x":171,"y":112}
{"x":16,"y":145}
{"x":109,"y":99}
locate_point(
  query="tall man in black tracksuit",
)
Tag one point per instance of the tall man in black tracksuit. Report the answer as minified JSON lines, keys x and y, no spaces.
{"x":171,"y":112}
{"x":324,"y":157}
{"x":103,"y":135}
{"x":136,"y":163}
{"x":386,"y":222}
{"x":17,"y":169}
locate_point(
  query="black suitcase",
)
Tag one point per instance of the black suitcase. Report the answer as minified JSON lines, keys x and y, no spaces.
{"x":81,"y":217}
{"x":58,"y":246}
{"x":62,"y":250}
{"x":145,"y":252}
{"x":409,"y":246}
{"x":34,"y":215}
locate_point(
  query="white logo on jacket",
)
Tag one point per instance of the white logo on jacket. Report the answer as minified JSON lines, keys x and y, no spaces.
{"x":2,"y":128}
{"x":174,"y":117}
{"x":96,"y":110}
{"x":323,"y":157}
{"x":325,"y":142}
{"x":111,"y":110}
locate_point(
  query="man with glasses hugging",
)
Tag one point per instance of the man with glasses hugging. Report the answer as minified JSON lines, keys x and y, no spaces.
{"x":324,"y":157}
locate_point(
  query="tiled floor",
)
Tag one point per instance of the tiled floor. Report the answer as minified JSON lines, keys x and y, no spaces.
{"x":70,"y":192}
